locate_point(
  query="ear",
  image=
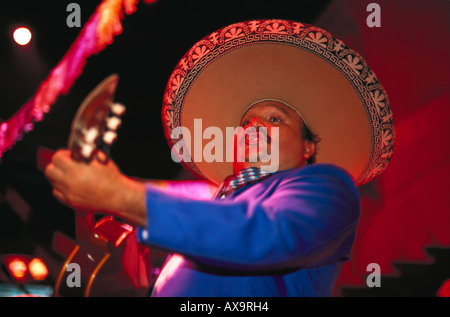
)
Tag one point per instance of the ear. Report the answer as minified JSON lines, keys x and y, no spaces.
{"x":310,"y":149}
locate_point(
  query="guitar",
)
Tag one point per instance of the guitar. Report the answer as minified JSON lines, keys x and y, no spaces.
{"x":106,"y":258}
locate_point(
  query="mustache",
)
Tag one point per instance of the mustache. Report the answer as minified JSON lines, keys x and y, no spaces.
{"x":247,"y":133}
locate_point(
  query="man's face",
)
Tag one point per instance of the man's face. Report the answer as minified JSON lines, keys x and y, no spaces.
{"x":291,"y":149}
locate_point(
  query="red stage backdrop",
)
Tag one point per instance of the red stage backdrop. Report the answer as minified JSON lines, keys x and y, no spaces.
{"x":407,"y":209}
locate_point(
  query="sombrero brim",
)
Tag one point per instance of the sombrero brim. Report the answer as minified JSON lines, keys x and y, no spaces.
{"x":330,"y":85}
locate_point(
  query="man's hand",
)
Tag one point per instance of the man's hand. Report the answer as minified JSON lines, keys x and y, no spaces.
{"x":96,"y":186}
{"x":80,"y":184}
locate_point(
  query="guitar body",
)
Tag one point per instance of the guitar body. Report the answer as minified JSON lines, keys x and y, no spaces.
{"x":106,"y":258}
{"x":111,"y":263}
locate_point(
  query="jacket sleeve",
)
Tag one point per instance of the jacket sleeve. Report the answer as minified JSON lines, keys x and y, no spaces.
{"x":193,"y":189}
{"x":309,"y":220}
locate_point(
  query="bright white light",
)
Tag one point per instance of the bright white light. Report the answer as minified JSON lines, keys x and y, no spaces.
{"x":22,"y":36}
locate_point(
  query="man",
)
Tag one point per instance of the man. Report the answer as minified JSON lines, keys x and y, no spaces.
{"x":265,"y":233}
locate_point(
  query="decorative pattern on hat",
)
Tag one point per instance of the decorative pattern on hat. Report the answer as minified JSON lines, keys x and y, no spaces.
{"x":304,"y":36}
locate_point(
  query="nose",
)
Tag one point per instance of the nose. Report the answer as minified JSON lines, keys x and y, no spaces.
{"x":255,"y":122}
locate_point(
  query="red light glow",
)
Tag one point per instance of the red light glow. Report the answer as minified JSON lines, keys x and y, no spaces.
{"x":18,"y":268}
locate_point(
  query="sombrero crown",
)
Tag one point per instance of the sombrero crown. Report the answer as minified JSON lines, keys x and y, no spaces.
{"x":325,"y":81}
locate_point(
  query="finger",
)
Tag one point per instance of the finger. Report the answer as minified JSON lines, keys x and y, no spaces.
{"x":54,"y":173}
{"x":101,"y":156}
{"x":62,"y":159}
{"x":59,"y":195}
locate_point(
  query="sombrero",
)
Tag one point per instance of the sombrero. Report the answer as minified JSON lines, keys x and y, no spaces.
{"x":325,"y":81}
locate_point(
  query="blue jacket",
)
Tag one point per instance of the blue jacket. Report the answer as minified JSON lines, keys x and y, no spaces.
{"x":287,"y":235}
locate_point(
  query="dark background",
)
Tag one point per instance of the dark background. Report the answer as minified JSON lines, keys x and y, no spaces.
{"x":155,"y":37}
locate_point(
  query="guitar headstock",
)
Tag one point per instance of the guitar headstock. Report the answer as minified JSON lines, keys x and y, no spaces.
{"x":96,"y":122}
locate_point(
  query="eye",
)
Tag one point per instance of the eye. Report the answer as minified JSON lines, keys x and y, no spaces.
{"x":275,"y":119}
{"x":243,"y":124}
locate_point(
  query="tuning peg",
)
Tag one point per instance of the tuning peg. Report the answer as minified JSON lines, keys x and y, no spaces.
{"x":113,"y":123}
{"x":118,"y":109}
{"x":86,"y":150}
{"x":109,"y":137}
{"x":90,"y":135}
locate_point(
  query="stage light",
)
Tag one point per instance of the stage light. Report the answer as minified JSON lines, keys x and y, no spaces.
{"x":25,"y":269}
{"x":22,"y":36}
{"x":27,"y":277}
{"x":38,"y":269}
{"x":18,"y":268}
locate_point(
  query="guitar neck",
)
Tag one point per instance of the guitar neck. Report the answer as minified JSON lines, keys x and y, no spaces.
{"x":94,"y":128}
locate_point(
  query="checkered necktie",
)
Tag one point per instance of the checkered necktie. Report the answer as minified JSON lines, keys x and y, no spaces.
{"x":245,"y":177}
